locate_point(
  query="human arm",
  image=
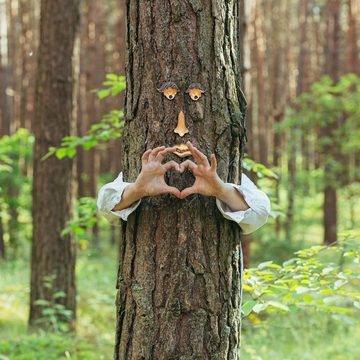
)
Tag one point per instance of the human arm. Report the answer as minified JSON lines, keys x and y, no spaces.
{"x":244,"y":204}
{"x":119,"y":198}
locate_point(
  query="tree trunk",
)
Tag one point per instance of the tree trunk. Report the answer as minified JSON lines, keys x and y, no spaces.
{"x":259,"y":54}
{"x":2,"y":242}
{"x":53,"y":190}
{"x":352,"y":48}
{"x":332,"y":63}
{"x":180,"y":274}
{"x":4,"y":79}
{"x":301,"y":86}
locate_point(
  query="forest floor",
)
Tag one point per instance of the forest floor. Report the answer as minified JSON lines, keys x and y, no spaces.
{"x":294,"y":336}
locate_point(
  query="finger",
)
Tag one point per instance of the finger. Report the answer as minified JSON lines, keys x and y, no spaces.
{"x":155,"y":152}
{"x":193,"y":153}
{"x":188,"y":191}
{"x":145,"y":156}
{"x":172,"y":190}
{"x":161,"y":154}
{"x":213,"y":162}
{"x":198,"y":155}
{"x":171,"y":165}
{"x":187,"y":164}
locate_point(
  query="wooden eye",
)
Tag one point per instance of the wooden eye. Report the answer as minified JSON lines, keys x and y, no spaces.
{"x":170,"y":93}
{"x":195,"y":91}
{"x":169,"y":89}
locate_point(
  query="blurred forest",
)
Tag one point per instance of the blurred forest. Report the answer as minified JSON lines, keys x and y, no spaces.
{"x":301,"y":78}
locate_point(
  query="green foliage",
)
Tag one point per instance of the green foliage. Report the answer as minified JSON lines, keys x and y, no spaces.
{"x":55,"y":316}
{"x":94,"y":338}
{"x":49,"y":346}
{"x":300,"y":335}
{"x":84,"y":219}
{"x":258,"y":169}
{"x":113,"y":84}
{"x":109,"y":128}
{"x":334,"y":106}
{"x":15,"y":188}
{"x":320,"y":277}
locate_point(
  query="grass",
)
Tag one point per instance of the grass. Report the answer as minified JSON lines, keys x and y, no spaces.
{"x":294,"y":336}
{"x":95,"y":314}
{"x":301,"y":335}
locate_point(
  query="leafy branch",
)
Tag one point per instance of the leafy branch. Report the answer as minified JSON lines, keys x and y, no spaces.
{"x":109,"y":128}
{"x":312,"y":279}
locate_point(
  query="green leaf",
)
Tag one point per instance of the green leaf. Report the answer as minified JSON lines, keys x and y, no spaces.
{"x":259,"y":307}
{"x":248,"y":306}
{"x":264,"y":264}
{"x":59,"y":294}
{"x":42,"y":302}
{"x":102,"y":94}
{"x":278,"y":305}
{"x":61,"y":153}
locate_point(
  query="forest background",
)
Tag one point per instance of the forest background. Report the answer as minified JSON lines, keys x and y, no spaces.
{"x":300,"y":66}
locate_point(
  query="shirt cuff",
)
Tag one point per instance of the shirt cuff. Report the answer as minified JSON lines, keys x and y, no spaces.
{"x":259,"y":208}
{"x":109,"y":195}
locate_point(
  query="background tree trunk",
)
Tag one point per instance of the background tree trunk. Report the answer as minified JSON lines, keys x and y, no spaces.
{"x":53,"y":254}
{"x":180,"y":275}
{"x":331,"y":182}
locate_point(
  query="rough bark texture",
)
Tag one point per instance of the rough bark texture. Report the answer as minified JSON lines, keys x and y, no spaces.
{"x":53,"y":178}
{"x":180,"y":264}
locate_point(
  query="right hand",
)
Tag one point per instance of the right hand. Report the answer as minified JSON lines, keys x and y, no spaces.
{"x":150,"y":181}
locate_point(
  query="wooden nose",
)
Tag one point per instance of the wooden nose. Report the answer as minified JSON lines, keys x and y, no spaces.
{"x":181,"y":128}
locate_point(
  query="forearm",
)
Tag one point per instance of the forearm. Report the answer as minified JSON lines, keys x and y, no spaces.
{"x":130,"y":195}
{"x":231,"y":197}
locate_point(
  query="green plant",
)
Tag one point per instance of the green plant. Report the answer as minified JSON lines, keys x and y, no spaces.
{"x":85,"y":217}
{"x":109,"y":128}
{"x":54,"y":314}
{"x":322,"y":278}
{"x":16,"y":153}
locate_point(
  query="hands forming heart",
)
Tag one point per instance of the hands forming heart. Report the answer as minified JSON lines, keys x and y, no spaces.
{"x":151,"y":182}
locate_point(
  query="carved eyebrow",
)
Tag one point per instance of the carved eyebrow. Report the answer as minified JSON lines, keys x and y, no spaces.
{"x":195,"y":91}
{"x":169,"y":90}
{"x":168,"y":85}
{"x":196,"y":86}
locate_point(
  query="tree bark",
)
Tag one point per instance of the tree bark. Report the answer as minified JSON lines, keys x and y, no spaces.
{"x":2,"y":242}
{"x":179,"y":275}
{"x":259,"y":54}
{"x":352,"y":48}
{"x":332,"y":66}
{"x":53,"y":190}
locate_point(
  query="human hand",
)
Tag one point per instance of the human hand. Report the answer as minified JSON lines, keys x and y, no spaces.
{"x":207,"y":181}
{"x":150,"y":181}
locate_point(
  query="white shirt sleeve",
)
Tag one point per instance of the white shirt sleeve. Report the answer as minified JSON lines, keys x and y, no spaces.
{"x":256,"y":216}
{"x":249,"y":220}
{"x":109,"y":195}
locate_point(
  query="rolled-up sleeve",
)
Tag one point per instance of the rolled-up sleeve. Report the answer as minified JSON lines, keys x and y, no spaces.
{"x":259,"y":207}
{"x":109,"y":195}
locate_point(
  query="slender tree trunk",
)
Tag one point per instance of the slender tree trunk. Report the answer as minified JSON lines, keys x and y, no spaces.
{"x":4,"y":129}
{"x":4,"y":78}
{"x":332,"y":51}
{"x":53,"y":255}
{"x":180,"y":276}
{"x":260,"y":87}
{"x":352,"y":47}
{"x":2,"y":242}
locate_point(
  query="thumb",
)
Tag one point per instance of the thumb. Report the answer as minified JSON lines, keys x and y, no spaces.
{"x":188,"y":191}
{"x":173,"y":190}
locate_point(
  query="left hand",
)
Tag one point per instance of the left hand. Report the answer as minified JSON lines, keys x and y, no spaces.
{"x":207,"y":181}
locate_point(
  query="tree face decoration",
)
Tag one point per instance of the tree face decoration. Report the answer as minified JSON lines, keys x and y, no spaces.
{"x":194,"y":91}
